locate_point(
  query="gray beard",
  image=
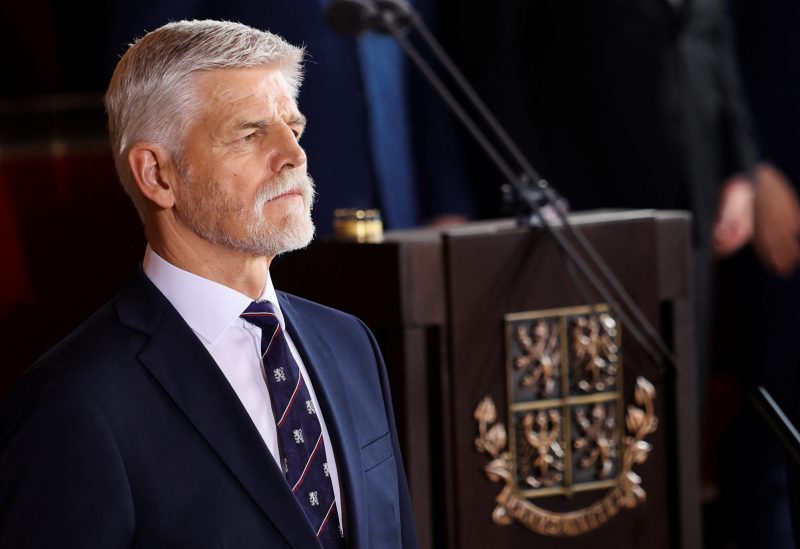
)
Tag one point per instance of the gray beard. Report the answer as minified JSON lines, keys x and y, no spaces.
{"x":259,"y":238}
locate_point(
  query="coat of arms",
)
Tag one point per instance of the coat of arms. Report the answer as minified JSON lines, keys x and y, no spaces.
{"x":568,"y":429}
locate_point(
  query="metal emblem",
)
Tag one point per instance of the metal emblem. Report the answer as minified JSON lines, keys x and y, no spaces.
{"x":568,"y":431}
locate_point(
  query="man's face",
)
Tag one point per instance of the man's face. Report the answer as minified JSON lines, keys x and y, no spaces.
{"x":242,"y":176}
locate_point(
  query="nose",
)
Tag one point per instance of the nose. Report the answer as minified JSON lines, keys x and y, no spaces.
{"x":286,"y":151}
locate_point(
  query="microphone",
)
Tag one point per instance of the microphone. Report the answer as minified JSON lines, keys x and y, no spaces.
{"x":352,"y":17}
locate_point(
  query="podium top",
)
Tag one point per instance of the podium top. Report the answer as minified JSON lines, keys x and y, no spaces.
{"x":578,"y":219}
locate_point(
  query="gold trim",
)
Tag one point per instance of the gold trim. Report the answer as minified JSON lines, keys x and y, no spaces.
{"x":512,"y":433}
{"x":556,"y":402}
{"x":574,"y":489}
{"x":561,"y":311}
{"x":566,"y":366}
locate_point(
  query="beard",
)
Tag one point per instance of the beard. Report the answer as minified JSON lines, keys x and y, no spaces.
{"x":212,"y":212}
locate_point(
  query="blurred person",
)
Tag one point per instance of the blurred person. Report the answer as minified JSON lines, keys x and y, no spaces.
{"x":777,"y":221}
{"x":768,"y":49}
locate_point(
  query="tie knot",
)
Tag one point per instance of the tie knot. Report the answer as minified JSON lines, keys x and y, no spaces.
{"x":262,"y":314}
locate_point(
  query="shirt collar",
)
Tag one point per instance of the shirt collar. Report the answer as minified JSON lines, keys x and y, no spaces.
{"x":207,"y":306}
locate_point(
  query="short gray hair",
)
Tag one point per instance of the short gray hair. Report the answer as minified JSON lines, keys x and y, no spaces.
{"x":151,"y":94}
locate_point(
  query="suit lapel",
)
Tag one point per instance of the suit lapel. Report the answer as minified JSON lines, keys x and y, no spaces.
{"x":322,"y":363}
{"x":185,"y":370}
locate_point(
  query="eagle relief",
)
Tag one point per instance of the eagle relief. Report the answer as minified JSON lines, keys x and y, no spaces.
{"x":567,"y":432}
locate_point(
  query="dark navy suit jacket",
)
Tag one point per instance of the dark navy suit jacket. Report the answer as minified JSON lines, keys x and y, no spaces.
{"x":127,"y":434}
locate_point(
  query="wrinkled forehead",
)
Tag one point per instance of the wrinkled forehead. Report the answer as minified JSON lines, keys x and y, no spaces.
{"x":255,"y":87}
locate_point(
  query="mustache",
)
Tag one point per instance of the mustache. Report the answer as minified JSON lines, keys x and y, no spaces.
{"x":287,"y":182}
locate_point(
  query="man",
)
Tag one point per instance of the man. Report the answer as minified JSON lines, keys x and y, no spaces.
{"x":157,"y":423}
{"x":388,"y":128}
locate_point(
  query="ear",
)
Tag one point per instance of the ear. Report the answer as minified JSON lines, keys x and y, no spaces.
{"x":154,"y":172}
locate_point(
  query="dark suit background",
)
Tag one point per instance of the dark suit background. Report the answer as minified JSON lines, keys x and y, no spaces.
{"x":630,"y":103}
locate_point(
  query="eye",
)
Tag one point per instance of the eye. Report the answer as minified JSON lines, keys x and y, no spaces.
{"x":250,"y":137}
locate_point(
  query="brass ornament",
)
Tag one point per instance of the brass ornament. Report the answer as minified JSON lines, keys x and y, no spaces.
{"x":595,"y":352}
{"x":568,"y":433}
{"x":540,"y":357}
{"x":542,"y":431}
{"x":598,"y":439}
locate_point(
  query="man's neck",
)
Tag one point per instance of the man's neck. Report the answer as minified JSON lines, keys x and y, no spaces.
{"x":239,"y":270}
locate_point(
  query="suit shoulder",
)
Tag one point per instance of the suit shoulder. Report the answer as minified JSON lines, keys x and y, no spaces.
{"x":86,"y":360}
{"x":96,"y":340}
{"x":315,"y":317}
{"x":305,"y":306}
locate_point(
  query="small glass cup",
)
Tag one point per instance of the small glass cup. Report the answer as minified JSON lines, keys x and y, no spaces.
{"x":355,"y":225}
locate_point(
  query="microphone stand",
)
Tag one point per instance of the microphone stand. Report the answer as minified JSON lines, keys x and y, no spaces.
{"x":529,"y":191}
{"x":778,"y":423}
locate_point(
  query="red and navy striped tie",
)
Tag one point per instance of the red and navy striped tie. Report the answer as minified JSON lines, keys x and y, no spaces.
{"x":299,"y":432}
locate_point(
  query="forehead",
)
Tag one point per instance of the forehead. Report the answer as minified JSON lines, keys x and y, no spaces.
{"x":222,"y":91}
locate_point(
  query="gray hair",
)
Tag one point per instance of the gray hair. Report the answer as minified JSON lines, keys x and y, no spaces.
{"x":151,"y":96}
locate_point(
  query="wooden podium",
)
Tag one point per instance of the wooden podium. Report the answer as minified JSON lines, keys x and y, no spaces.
{"x":442,"y":304}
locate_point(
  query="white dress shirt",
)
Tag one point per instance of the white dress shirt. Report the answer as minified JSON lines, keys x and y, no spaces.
{"x":212,"y":311}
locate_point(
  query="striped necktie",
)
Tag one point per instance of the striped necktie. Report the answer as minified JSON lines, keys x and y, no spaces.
{"x":299,"y":432}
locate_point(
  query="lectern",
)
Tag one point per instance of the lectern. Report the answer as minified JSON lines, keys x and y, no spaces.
{"x":528,"y":414}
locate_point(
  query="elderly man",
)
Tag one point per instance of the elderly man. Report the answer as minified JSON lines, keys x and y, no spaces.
{"x":200,"y":407}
